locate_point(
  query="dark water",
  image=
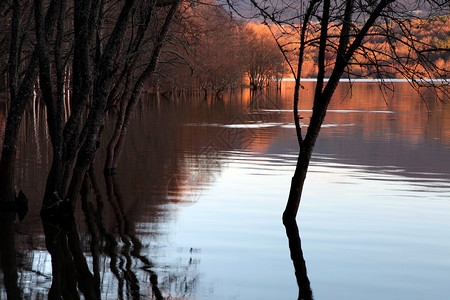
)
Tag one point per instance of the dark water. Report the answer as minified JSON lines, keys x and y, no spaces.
{"x":195,"y":209}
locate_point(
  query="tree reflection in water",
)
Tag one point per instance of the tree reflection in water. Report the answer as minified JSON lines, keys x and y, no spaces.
{"x":295,"y":247}
{"x":70,"y":270}
{"x":103,"y":261}
{"x":120,"y":246}
{"x":109,"y":250}
{"x":8,"y":263}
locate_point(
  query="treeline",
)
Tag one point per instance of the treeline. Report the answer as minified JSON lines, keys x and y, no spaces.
{"x":208,"y":50}
{"x":219,"y":53}
{"x":390,"y":50}
{"x":225,"y":53}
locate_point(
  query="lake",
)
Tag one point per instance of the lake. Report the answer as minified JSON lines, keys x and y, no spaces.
{"x":194,"y":211}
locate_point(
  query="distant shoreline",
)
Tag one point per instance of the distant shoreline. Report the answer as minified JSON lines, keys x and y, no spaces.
{"x":373,"y":80}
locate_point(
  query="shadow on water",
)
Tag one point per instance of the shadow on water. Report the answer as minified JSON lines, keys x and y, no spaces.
{"x":295,"y":247}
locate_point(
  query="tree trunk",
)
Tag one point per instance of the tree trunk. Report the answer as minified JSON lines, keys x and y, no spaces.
{"x":63,"y":280}
{"x":117,"y":141}
{"x":19,"y":96}
{"x":13,"y":121}
{"x":82,"y":145}
{"x":323,"y":94}
{"x":111,"y":148}
{"x":295,"y":192}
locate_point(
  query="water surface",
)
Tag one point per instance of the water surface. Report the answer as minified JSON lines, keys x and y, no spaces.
{"x":201,"y":186}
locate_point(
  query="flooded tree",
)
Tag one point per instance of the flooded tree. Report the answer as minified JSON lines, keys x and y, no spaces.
{"x":341,"y":35}
{"x":219,"y":64}
{"x":22,"y":74}
{"x":76,"y":60}
{"x":71,"y":56}
{"x":220,"y":53}
{"x":263,"y":61}
{"x":375,"y":39}
{"x":135,"y":79}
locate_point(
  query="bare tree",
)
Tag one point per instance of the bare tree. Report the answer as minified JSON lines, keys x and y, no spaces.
{"x":78,"y":53}
{"x":218,"y":62}
{"x":22,"y":74}
{"x":263,"y":60}
{"x":107,"y":43}
{"x":131,"y":97}
{"x":76,"y":137}
{"x":339,"y":34}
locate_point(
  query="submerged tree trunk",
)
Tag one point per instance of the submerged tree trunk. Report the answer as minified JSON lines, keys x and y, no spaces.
{"x":77,"y":142}
{"x":304,"y":157}
{"x":295,"y":193}
{"x":305,"y":150}
{"x":13,"y":122}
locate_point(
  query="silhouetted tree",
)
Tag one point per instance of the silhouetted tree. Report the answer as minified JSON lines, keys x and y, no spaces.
{"x":22,"y":74}
{"x":75,"y":57}
{"x":75,"y":140}
{"x":101,"y":53}
{"x":131,"y":96}
{"x":338,"y":34}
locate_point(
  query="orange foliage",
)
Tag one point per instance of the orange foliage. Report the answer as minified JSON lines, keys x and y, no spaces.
{"x":432,"y":33}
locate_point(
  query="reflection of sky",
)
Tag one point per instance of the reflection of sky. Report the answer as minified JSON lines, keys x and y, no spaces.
{"x":365,"y":234}
{"x":374,"y":218}
{"x":207,"y":203}
{"x":377,"y":234}
{"x":238,"y":229}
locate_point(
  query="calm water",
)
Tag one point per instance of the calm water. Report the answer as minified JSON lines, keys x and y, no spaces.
{"x":201,"y":187}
